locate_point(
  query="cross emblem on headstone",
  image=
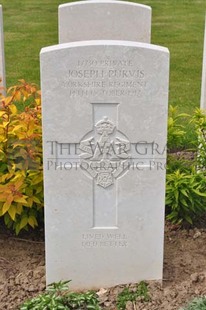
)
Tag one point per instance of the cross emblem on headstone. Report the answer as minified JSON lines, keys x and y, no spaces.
{"x":105,"y":156}
{"x":102,"y":156}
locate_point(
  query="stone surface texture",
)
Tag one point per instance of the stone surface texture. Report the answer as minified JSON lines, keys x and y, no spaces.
{"x":104,"y":136}
{"x":104,"y":20}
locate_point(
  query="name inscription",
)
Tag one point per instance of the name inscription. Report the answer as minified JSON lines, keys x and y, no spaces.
{"x":112,"y":78}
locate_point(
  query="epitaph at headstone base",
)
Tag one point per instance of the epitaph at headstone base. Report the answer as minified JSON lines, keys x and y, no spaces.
{"x":104,"y":132}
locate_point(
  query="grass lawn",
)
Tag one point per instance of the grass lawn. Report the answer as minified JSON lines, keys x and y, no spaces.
{"x":179,"y":25}
{"x":30,"y":25}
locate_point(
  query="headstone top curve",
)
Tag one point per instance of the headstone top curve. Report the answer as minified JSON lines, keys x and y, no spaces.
{"x":106,"y":2}
{"x":104,"y":20}
{"x":104,"y":43}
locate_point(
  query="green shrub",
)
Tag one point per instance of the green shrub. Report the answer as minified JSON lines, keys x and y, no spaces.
{"x":186,"y":178}
{"x":21,"y":186}
{"x":176,"y":132}
{"x":181,"y":161}
{"x":185,"y":196}
{"x":58,"y":297}
{"x":199,"y":120}
{"x":196,"y":304}
{"x":127,"y":294}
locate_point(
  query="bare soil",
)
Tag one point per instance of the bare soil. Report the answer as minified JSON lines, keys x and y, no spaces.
{"x":22,"y":271}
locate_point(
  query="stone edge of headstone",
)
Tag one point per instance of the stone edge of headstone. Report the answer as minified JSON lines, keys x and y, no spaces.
{"x":103,"y":1}
{"x":103,"y":43}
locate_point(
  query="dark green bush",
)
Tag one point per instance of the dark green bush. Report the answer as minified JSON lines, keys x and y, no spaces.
{"x":185,"y":196}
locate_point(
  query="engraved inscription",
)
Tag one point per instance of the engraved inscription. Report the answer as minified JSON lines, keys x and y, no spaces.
{"x":108,"y":77}
{"x":104,"y":62}
{"x":99,"y":240}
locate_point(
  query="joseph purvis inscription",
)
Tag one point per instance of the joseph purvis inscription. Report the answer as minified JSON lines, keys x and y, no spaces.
{"x":109,"y":77}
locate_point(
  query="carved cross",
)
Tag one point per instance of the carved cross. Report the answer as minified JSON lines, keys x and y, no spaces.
{"x":105,"y":155}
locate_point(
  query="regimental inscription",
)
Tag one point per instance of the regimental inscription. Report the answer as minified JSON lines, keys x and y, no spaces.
{"x":101,"y":240}
{"x":105,"y":157}
{"x":108,"y":77}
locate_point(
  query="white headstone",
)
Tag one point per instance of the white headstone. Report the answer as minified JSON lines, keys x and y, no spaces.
{"x":104,"y":131}
{"x":203,"y":88}
{"x":2,"y":60}
{"x":104,"y":20}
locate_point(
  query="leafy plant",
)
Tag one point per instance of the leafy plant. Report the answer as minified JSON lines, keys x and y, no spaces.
{"x":21,"y":179}
{"x":185,"y":196}
{"x":176,"y":131}
{"x":127,"y":294}
{"x":58,"y":297}
{"x":199,"y":120}
{"x":186,"y":179}
{"x":196,"y":304}
{"x":181,"y":161}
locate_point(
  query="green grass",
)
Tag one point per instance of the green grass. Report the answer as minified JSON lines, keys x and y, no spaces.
{"x":29,"y":25}
{"x":177,"y":24}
